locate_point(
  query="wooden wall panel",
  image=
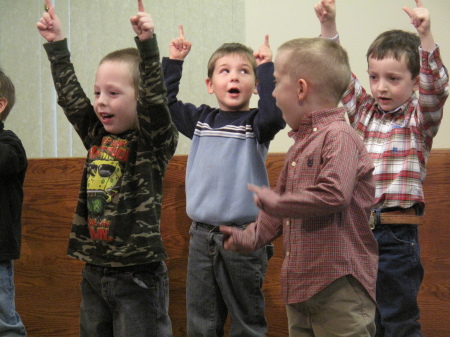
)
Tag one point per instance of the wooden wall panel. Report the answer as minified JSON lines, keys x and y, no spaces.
{"x":47,"y":281}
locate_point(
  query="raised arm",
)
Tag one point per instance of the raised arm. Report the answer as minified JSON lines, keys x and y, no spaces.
{"x":326,"y":13}
{"x":179,"y":47}
{"x":420,"y":19}
{"x":49,"y":26}
{"x":142,"y":23}
{"x":264,"y":53}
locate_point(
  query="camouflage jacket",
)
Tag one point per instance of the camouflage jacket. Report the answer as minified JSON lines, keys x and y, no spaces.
{"x":117,"y":219}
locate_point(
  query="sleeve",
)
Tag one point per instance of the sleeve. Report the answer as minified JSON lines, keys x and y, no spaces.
{"x":269,"y":119}
{"x":258,"y":234}
{"x":354,"y":98}
{"x":13,"y":158}
{"x":71,"y":97}
{"x":334,"y":183}
{"x":433,"y":91}
{"x":184,"y":115}
{"x":155,"y":122}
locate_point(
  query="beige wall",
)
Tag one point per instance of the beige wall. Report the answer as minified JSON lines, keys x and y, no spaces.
{"x":359,"y":22}
{"x":95,"y":27}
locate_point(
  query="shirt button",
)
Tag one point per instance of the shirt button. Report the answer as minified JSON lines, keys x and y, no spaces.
{"x":315,"y":129}
{"x":287,"y":253}
{"x":293,"y":163}
{"x":288,"y":222}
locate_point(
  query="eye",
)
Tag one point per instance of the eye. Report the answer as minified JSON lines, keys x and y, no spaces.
{"x":393,"y":78}
{"x":96,"y":93}
{"x":223,"y":71}
{"x":244,"y":71}
{"x":113,"y":93}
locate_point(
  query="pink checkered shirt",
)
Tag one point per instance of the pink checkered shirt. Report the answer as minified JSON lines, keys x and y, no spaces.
{"x":400,"y":141}
{"x":327,"y":188}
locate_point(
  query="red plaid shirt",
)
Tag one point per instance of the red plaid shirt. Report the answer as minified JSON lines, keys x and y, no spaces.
{"x":327,"y":186}
{"x":400,"y":141}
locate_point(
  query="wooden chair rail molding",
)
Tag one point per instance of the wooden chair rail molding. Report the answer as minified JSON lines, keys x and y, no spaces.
{"x":47,"y":281}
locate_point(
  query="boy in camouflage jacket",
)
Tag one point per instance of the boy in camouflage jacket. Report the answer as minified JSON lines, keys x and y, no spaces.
{"x":130,"y":138}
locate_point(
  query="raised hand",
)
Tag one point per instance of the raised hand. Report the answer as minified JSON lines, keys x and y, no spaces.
{"x":325,"y":10}
{"x":420,"y":19}
{"x":264,"y":53}
{"x":49,"y":25}
{"x":142,"y":23}
{"x":179,"y":47}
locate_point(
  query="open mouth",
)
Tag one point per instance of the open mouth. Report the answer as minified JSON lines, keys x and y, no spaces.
{"x":234,"y":91}
{"x":106,"y":116}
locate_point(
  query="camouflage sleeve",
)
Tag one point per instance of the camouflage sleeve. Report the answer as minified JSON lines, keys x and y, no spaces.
{"x":155,"y":122}
{"x":71,"y":97}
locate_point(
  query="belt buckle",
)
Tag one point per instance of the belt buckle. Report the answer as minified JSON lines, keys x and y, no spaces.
{"x":372,"y":220}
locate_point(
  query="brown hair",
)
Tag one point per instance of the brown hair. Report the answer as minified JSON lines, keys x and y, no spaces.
{"x":397,"y":43}
{"x":231,"y":49}
{"x":8,"y":92}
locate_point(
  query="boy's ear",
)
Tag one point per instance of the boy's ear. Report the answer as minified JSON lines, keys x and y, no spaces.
{"x":3,"y":104}
{"x":209,"y":86}
{"x":302,"y":89}
{"x":255,"y":90}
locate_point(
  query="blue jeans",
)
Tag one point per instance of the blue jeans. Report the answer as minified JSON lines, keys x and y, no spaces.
{"x":125,"y":302}
{"x":400,"y":274}
{"x":221,"y":282}
{"x":10,"y":323}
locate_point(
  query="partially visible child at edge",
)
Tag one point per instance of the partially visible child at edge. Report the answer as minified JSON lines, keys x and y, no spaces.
{"x":229,"y":149}
{"x":322,"y":201}
{"x":398,"y":129}
{"x":130,"y":138}
{"x":13,"y":166}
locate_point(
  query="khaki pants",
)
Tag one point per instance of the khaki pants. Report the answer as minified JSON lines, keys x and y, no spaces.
{"x":343,"y":308}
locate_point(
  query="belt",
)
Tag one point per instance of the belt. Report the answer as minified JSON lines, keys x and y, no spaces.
{"x":207,"y":226}
{"x":215,"y":228}
{"x":396,"y":216}
{"x":128,"y":269}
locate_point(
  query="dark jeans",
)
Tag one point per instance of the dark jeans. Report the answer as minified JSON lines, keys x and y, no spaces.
{"x":221,"y":282}
{"x":400,"y":274}
{"x":129,"y":302}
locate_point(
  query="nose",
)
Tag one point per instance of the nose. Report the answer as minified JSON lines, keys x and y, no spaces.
{"x":234,"y":76}
{"x":381,"y":85}
{"x":101,"y":99}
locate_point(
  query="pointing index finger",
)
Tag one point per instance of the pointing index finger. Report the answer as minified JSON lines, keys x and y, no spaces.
{"x":181,"y":30}
{"x":266,"y":40}
{"x":141,"y":6}
{"x":419,"y":3}
{"x":48,"y":5}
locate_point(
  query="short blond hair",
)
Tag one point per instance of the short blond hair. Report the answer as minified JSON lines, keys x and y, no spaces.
{"x":320,"y":61}
{"x":129,"y":56}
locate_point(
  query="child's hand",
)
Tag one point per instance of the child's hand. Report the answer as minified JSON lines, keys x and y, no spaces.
{"x":265,"y":198}
{"x":264,"y":53}
{"x":142,"y":23}
{"x":179,"y":47}
{"x":420,"y":17}
{"x":228,"y":240}
{"x":326,"y":11}
{"x":49,"y":25}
